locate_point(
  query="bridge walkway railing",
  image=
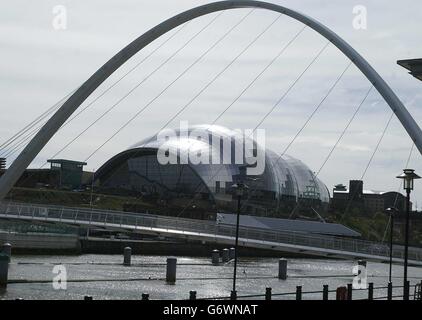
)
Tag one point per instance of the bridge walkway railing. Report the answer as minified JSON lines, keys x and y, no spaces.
{"x":182,"y":225}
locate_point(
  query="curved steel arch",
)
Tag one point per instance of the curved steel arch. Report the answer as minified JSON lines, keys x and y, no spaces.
{"x":56,"y":121}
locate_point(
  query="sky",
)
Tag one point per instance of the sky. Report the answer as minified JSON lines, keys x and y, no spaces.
{"x":43,"y":58}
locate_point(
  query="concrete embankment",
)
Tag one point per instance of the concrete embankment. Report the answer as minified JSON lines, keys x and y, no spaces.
{"x":52,"y":243}
{"x":42,"y":243}
{"x":156,"y":247}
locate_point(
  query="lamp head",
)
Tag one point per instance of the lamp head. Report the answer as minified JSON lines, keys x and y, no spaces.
{"x":240,"y":188}
{"x":408,"y":176}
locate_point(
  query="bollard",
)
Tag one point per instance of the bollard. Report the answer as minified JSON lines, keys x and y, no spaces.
{"x":171,"y":270}
{"x":192,"y":295}
{"x":390,"y":291}
{"x":232,"y":253}
{"x":268,"y":293}
{"x":298,"y":292}
{"x":87,"y":298}
{"x":282,"y":269}
{"x":145,"y":296}
{"x":127,"y":255}
{"x":349,"y":291}
{"x":4,"y":270}
{"x":215,"y":258}
{"x":325,"y":292}
{"x":7,"y":250}
{"x":233,"y":295}
{"x":225,"y":256}
{"x":341,"y":293}
{"x":370,"y":291}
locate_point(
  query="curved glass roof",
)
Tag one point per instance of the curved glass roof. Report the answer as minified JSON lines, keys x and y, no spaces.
{"x":284,"y":176}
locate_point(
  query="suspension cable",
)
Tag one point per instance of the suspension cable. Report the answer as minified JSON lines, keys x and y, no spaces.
{"x":168,"y":86}
{"x":57,"y":105}
{"x":134,"y":88}
{"x":231,"y":63}
{"x":19,"y":145}
{"x":337,"y":142}
{"x":291,"y":86}
{"x":377,"y":146}
{"x":310,"y":117}
{"x":219,"y":75}
{"x":10,"y":142}
{"x":344,"y":130}
{"x":407,"y":164}
{"x":315,"y":110}
{"x":226,"y":68}
{"x":306,"y":122}
{"x":201,"y":185}
{"x":250,"y":83}
{"x":368,"y":164}
{"x":132,"y":69}
{"x":14,"y":147}
{"x":398,"y":192}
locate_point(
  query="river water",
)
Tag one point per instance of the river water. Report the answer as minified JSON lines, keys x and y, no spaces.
{"x":104,"y":277}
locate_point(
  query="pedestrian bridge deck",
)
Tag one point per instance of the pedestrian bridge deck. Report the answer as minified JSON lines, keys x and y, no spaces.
{"x":209,"y":231}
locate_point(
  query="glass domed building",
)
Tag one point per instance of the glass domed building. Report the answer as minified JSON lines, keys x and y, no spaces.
{"x":195,"y":167}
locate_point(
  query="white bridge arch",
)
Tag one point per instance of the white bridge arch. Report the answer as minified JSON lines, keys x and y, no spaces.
{"x":78,"y":97}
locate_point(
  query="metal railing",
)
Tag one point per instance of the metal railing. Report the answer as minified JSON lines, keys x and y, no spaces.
{"x":128,"y":220}
{"x":388,"y":292}
{"x":369,"y":293}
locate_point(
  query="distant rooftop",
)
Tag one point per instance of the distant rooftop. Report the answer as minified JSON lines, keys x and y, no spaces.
{"x":289,"y":225}
{"x":66,"y":161}
{"x":413,"y":65}
{"x":364,"y":191}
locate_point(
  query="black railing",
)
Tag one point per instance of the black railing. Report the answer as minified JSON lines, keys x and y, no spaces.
{"x":298,"y":294}
{"x":373,"y":293}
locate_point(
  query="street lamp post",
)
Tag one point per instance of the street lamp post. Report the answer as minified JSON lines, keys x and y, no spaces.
{"x":391,"y":211}
{"x":240,"y":189}
{"x":408,"y":176}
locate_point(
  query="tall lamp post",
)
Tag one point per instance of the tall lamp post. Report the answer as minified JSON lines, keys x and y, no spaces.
{"x":391,"y":211}
{"x":240,"y":189}
{"x":408,"y":176}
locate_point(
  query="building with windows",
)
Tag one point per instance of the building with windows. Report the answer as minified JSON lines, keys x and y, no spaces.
{"x":63,"y":174}
{"x":278,"y":186}
{"x":355,"y":197}
{"x":68,"y":173}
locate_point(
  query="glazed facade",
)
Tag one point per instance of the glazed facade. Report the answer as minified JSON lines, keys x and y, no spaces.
{"x":284,"y":182}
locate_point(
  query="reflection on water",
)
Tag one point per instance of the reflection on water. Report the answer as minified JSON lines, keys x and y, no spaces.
{"x":104,"y":277}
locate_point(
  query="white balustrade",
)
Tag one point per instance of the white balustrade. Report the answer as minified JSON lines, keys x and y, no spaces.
{"x":182,"y":224}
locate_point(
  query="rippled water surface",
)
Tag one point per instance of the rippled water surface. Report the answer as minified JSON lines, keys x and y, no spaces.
{"x":104,"y":277}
